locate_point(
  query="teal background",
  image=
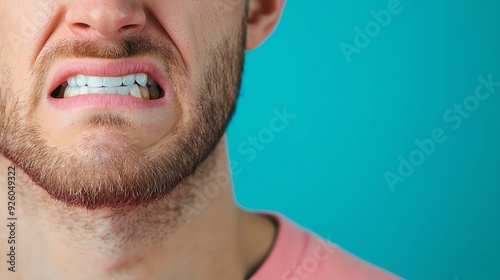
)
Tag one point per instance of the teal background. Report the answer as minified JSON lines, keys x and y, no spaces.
{"x":326,"y":169}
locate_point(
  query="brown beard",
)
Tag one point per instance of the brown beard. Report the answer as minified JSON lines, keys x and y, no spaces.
{"x":96,"y":174}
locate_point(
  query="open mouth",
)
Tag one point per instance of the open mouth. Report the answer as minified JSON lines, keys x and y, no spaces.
{"x":137,"y":85}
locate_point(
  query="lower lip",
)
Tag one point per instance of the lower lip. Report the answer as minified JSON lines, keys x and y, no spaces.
{"x":106,"y":101}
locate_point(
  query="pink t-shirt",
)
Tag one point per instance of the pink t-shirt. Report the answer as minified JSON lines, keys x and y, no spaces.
{"x":301,"y":255}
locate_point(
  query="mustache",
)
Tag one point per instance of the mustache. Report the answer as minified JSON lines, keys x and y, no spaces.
{"x":126,"y":47}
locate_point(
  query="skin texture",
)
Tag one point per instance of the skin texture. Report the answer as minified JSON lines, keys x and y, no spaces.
{"x":122,"y":194}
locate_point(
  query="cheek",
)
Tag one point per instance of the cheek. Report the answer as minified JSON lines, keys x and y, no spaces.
{"x":196,"y":26}
{"x":18,"y":37}
{"x":20,"y":77}
{"x":196,"y":29}
{"x":13,"y":73}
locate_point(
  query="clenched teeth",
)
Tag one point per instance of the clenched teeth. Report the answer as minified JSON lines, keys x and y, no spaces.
{"x":137,"y":85}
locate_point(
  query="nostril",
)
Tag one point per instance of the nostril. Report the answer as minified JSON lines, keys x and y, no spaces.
{"x":130,"y":28}
{"x":81,"y":25}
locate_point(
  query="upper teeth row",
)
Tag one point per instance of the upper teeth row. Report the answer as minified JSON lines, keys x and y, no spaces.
{"x":93,"y":81}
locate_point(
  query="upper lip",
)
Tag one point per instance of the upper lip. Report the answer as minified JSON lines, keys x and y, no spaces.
{"x":108,"y":68}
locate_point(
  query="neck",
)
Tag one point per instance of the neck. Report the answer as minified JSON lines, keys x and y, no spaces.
{"x":198,"y":232}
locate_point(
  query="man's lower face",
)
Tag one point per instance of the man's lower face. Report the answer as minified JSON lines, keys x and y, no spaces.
{"x":109,"y":150}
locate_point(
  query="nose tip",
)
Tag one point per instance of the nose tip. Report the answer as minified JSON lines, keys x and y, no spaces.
{"x":105,"y":19}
